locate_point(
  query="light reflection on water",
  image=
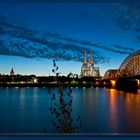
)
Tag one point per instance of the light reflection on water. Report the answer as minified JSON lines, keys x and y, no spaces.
{"x":102,"y":110}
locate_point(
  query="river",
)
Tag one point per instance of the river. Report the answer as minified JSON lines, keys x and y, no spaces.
{"x":26,"y":110}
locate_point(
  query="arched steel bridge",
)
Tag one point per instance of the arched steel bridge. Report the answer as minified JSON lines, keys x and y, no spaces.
{"x":129,"y":67}
{"x":111,"y":74}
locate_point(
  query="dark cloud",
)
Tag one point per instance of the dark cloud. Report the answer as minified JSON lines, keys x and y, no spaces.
{"x":137,"y":29}
{"x":127,"y":15}
{"x":124,"y":48}
{"x":115,"y":48}
{"x":124,"y":14}
{"x":51,"y":51}
{"x":24,"y":32}
{"x":124,"y":22}
{"x":26,"y":42}
{"x":130,"y":12}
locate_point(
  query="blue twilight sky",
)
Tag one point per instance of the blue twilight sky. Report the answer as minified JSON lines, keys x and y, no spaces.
{"x":33,"y":34}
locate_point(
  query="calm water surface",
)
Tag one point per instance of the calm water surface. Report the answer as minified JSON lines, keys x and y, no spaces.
{"x":26,"y":110}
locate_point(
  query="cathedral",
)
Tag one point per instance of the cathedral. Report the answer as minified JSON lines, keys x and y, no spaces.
{"x":88,"y":68}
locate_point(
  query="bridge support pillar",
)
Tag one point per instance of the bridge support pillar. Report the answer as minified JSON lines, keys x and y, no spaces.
{"x":126,"y":84}
{"x":113,"y":83}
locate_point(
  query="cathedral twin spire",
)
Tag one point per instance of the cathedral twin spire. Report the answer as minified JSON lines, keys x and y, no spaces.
{"x":85,"y":57}
{"x":91,"y":58}
{"x":87,"y":69}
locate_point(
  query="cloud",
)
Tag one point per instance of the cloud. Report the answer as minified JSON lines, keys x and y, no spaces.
{"x":137,"y":30}
{"x":124,"y":14}
{"x":26,"y":42}
{"x":116,"y":48}
{"x":124,"y":48}
{"x":124,"y":22}
{"x":127,"y":15}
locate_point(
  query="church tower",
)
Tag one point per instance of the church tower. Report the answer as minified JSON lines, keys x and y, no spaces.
{"x":12,"y":72}
{"x":84,"y":69}
{"x":91,"y":65}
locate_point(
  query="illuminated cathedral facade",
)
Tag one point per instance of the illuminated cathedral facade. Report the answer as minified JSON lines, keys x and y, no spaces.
{"x":88,"y":68}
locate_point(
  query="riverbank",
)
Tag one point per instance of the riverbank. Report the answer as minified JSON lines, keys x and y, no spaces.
{"x":4,"y":85}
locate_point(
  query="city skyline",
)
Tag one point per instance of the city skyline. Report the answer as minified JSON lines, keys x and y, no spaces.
{"x":33,"y":34}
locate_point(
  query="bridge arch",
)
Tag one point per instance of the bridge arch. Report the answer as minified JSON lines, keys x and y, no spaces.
{"x":110,"y":74}
{"x":130,"y":66}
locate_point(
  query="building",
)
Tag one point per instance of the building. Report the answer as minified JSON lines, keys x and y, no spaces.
{"x":12,"y":72}
{"x":34,"y":79}
{"x":88,"y":68}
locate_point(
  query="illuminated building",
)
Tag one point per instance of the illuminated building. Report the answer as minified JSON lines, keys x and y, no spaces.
{"x":88,"y":68}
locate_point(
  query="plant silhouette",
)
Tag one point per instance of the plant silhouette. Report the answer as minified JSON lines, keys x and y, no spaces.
{"x":61,"y":108}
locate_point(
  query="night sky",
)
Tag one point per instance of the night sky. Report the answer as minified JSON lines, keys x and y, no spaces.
{"x":33,"y":34}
